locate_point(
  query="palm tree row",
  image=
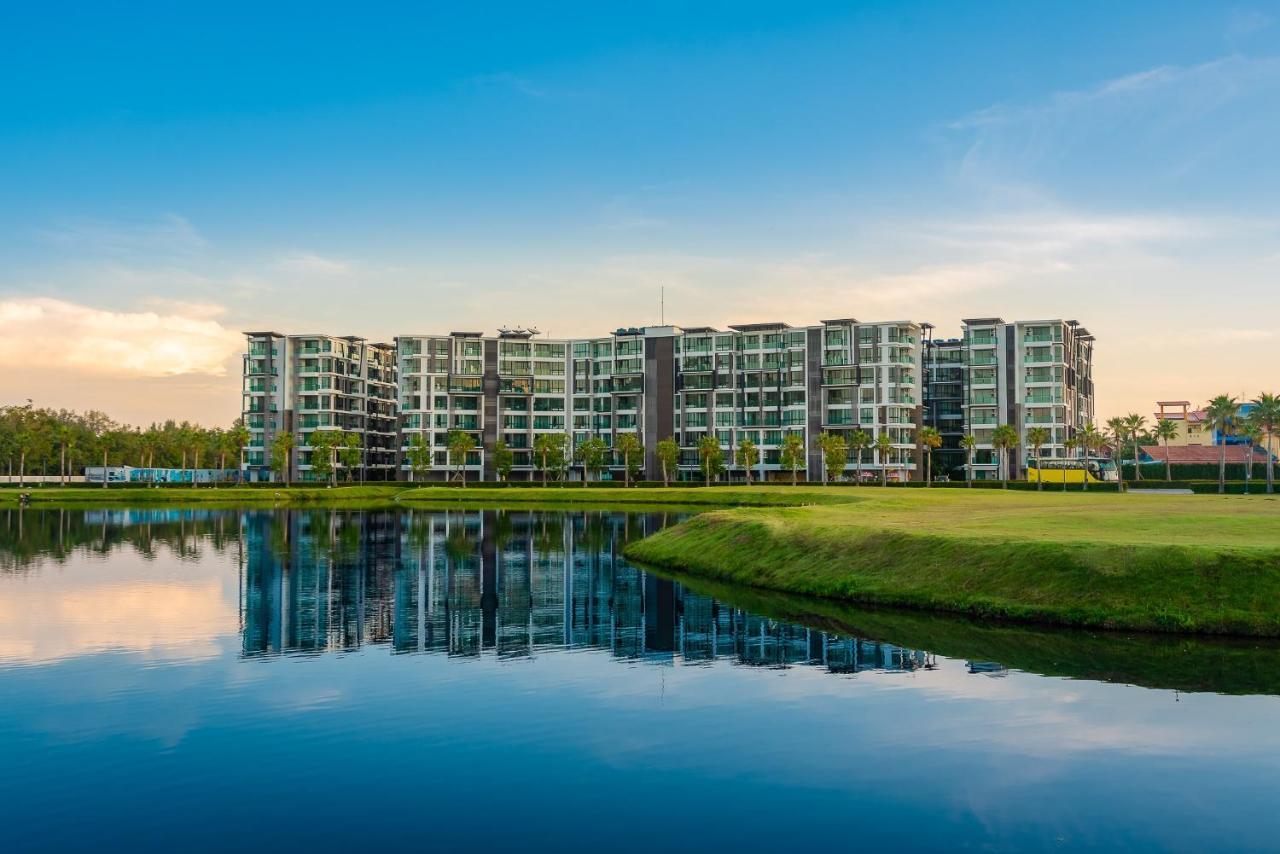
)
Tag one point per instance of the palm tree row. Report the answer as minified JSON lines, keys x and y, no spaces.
{"x":1259,"y":425}
{"x":62,"y":441}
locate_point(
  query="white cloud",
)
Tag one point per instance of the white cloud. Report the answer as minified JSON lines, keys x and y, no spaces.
{"x":311,"y":264}
{"x":43,"y":333}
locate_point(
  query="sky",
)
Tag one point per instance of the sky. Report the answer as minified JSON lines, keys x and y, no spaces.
{"x":172,"y":175}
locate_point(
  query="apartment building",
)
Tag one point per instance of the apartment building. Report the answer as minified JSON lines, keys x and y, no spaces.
{"x":758,"y":381}
{"x":303,"y":383}
{"x":944,"y":395}
{"x":1036,"y":373}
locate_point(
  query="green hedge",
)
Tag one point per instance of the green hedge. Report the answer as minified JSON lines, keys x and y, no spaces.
{"x":1196,"y":471}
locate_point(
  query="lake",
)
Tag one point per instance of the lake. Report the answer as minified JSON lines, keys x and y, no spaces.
{"x":320,"y":680}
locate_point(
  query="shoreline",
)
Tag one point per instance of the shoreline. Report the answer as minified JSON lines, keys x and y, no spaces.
{"x":1210,"y":567}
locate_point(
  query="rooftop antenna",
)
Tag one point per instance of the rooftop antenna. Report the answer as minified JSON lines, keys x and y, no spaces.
{"x":662,"y":305}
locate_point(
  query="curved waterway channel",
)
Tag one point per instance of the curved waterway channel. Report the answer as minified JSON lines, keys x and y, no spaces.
{"x":326,"y":679}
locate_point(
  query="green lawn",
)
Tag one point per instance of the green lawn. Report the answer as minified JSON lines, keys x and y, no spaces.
{"x":1151,"y":562}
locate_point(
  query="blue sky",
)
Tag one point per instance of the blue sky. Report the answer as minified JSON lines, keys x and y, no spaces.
{"x":174,"y":175}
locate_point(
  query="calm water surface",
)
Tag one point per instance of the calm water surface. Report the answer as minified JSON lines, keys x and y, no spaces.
{"x":209,"y":680}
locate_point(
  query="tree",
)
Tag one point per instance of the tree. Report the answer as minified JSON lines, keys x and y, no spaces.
{"x":548,"y":448}
{"x":150,"y":442}
{"x":351,"y":454}
{"x":219,"y":444}
{"x":324,"y":445}
{"x":747,"y":457}
{"x":1037,"y":438}
{"x":503,"y":460}
{"x":34,"y":438}
{"x":791,"y":454}
{"x":632,"y":453}
{"x":1004,"y":439}
{"x":63,"y":434}
{"x":1068,"y":445}
{"x":883,"y":445}
{"x":859,"y":441}
{"x":1117,"y":435}
{"x":1134,"y":424}
{"x":460,"y":444}
{"x":282,"y":455}
{"x":711,"y":457}
{"x":419,"y":455}
{"x":545,"y":447}
{"x":668,"y":452}
{"x":835,"y":455}
{"x":237,"y":440}
{"x":1249,"y":430}
{"x":930,"y":440}
{"x":1089,"y":440}
{"x":968,"y":443}
{"x":592,"y":454}
{"x":1166,"y":429}
{"x":1266,"y":410}
{"x":1221,"y":413}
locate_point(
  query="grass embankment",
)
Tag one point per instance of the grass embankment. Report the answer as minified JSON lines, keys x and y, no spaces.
{"x":1197,"y":564}
{"x":1219,"y":664}
{"x":616,"y":496}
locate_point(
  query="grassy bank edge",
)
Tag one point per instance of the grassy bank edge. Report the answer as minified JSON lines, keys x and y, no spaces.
{"x":1162,"y":661}
{"x":1136,"y":587}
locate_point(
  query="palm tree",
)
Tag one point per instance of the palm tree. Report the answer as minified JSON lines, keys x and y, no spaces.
{"x":238,"y":438}
{"x":929,"y":439}
{"x":791,"y":454}
{"x":968,"y":443}
{"x":748,"y":456}
{"x":1251,"y":431}
{"x":219,"y":443}
{"x":712,"y":457}
{"x":629,"y":448}
{"x":1037,"y":438}
{"x":883,"y":446}
{"x":825,"y":442}
{"x":859,"y":441}
{"x":460,"y":444}
{"x":282,"y":455}
{"x":668,"y":452}
{"x":1166,"y":430}
{"x":1119,"y":427}
{"x":1089,"y":441}
{"x":545,"y":446}
{"x":1134,"y":423}
{"x":1266,"y":409}
{"x":1068,"y":446}
{"x":1221,"y":412}
{"x":1004,"y":439}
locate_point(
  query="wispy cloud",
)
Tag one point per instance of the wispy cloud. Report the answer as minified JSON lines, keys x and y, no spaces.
{"x":58,"y":334}
{"x":1246,"y":22}
{"x":312,"y":264}
{"x":513,"y":82}
{"x":1159,"y":117}
{"x":170,"y":235}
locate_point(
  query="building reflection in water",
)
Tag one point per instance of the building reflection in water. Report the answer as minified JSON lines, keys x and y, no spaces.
{"x":503,"y":583}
